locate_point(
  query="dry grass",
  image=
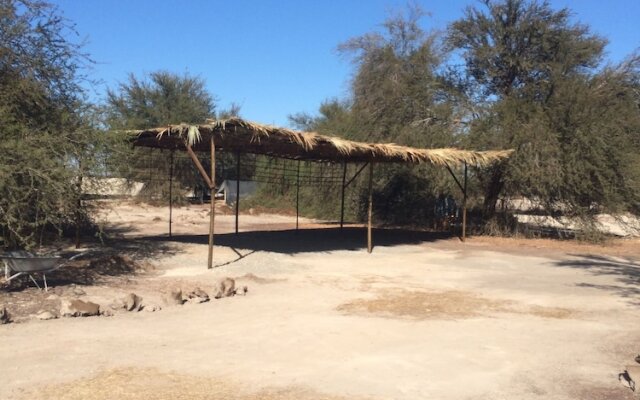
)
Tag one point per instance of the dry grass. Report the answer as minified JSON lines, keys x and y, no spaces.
{"x":137,"y":384}
{"x":443,"y":305}
{"x":236,"y":134}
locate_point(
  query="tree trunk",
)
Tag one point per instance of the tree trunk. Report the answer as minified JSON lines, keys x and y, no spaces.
{"x":492,"y":191}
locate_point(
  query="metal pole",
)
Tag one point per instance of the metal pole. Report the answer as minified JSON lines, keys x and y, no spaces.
{"x":464,"y":205}
{"x":171,"y":192}
{"x":297,"y":194}
{"x":344,"y":178}
{"x":79,"y":204}
{"x":369,"y":239}
{"x":237,"y":190}
{"x":212,"y":212}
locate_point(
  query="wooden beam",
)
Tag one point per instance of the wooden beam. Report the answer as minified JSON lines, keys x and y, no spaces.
{"x":212,"y":212}
{"x":237,"y":189}
{"x":356,"y":174}
{"x":464,"y":205}
{"x":344,"y":177}
{"x":370,"y":213}
{"x":199,"y":166}
{"x":455,"y":178}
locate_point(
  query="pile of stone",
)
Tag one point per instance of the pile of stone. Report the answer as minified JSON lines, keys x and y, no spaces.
{"x":74,"y":307}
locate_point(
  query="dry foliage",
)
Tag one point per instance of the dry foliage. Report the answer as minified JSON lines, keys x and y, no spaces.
{"x":443,"y":305}
{"x":235,"y":134}
{"x":136,"y":383}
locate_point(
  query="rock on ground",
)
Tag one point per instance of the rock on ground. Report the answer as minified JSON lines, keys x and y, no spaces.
{"x":4,"y":316}
{"x":132,"y":302}
{"x":225,"y":288}
{"x":152,"y":308}
{"x":174,"y":298}
{"x":46,"y":315}
{"x":198,"y":296}
{"x":79,"y":308}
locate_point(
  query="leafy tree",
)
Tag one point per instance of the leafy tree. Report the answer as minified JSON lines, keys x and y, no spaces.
{"x":46,"y":137}
{"x":164,"y":98}
{"x":398,"y":94}
{"x":160,"y":99}
{"x":533,"y":79}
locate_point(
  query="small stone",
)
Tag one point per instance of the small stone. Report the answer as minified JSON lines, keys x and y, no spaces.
{"x":197,"y":300}
{"x":107,"y":313}
{"x":152,"y":308}
{"x":132,"y":302}
{"x":53,"y":297}
{"x":225,"y":288}
{"x":116,"y":305}
{"x":79,"y":308}
{"x":46,"y":315}
{"x":198,"y":296}
{"x":174,"y":298}
{"x":79,"y":292}
{"x":5,"y":318}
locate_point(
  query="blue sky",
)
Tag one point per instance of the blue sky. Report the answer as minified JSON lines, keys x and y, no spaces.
{"x":274,"y":58}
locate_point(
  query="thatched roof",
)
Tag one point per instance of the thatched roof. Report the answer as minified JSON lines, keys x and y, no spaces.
{"x":237,"y":135}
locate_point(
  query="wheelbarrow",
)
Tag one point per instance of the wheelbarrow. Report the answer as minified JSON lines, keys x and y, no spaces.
{"x":18,"y":263}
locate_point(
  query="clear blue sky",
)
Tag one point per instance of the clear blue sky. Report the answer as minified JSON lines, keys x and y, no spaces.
{"x":274,"y":57}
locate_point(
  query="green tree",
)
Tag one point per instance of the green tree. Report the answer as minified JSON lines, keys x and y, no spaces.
{"x":398,"y":94}
{"x":160,"y":99}
{"x":532,"y":78}
{"x":46,"y":135}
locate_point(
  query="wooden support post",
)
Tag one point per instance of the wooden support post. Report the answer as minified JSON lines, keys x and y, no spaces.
{"x":237,"y":190}
{"x":212,"y":212}
{"x":344,"y":178}
{"x":464,"y":205}
{"x":369,"y":238}
{"x":171,"y":191}
{"x":297,"y":194}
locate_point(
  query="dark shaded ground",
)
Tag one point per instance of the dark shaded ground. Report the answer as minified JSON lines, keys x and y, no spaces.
{"x":310,"y":240}
{"x":626,"y":271}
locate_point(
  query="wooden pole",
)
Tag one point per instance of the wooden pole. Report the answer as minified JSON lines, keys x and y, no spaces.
{"x":297,"y":194}
{"x":344,"y":178}
{"x":212,"y":212}
{"x":369,"y":238}
{"x":237,"y":190}
{"x":171,"y":192}
{"x":464,"y":205}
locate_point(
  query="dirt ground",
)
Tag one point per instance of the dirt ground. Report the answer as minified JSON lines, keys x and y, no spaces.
{"x":423,"y":316}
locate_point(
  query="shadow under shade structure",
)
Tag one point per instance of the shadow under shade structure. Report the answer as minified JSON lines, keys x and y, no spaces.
{"x":310,"y":240}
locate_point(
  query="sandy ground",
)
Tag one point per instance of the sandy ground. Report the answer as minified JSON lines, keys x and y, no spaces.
{"x":424,"y":316}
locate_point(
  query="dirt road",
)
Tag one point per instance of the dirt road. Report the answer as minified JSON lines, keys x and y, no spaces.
{"x":419,"y":318}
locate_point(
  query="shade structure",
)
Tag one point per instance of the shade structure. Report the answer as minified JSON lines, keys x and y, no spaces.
{"x":239,"y":136}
